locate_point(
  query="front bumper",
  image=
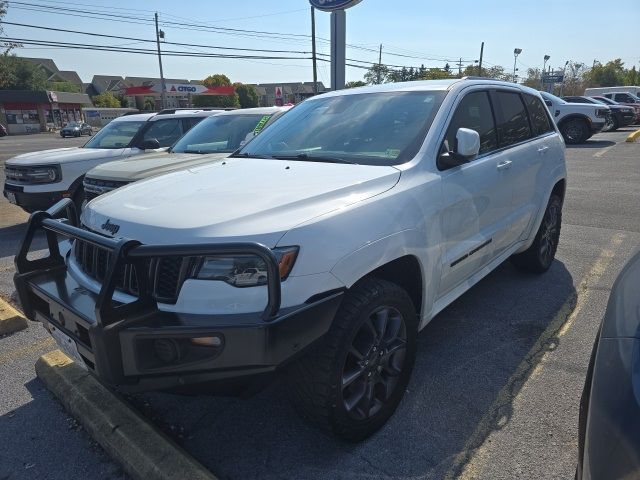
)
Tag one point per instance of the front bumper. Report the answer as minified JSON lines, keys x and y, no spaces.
{"x":32,"y":201}
{"x":120,"y":343}
{"x":596,"y":127}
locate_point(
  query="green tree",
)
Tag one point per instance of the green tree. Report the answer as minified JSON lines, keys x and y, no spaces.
{"x":64,"y":87}
{"x":247,"y":95}
{"x":354,"y":84}
{"x":149,"y":104}
{"x":124,"y":101}
{"x":377,"y":73}
{"x":106,"y":100}
{"x":632,"y":77}
{"x":18,"y":74}
{"x":608,"y":75}
{"x":223,"y":101}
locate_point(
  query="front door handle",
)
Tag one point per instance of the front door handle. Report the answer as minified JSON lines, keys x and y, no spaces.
{"x":543,"y":150}
{"x":503,"y":165}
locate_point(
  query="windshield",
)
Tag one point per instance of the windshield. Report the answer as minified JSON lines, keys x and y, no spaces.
{"x":553,"y":98}
{"x":73,"y":124}
{"x":606,"y":101}
{"x":115,"y":135}
{"x":220,"y":133}
{"x":385,"y":128}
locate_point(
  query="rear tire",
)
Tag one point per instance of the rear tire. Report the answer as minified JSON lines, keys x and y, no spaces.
{"x":354,"y":379}
{"x":575,"y":131}
{"x":539,"y":256}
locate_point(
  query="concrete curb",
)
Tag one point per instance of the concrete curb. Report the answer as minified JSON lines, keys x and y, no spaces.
{"x":143,"y":451}
{"x":11,"y":320}
{"x":633,"y":136}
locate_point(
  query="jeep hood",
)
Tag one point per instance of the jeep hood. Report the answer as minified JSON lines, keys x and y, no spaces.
{"x":64,"y":155}
{"x":239,"y":199}
{"x":145,"y":166}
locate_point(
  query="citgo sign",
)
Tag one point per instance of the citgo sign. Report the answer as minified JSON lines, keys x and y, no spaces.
{"x":330,"y":5}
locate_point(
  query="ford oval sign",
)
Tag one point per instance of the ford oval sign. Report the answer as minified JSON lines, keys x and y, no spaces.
{"x":330,"y":5}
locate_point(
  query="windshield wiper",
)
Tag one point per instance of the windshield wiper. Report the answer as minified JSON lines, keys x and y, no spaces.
{"x":303,"y":157}
{"x":192,"y":151}
{"x":247,"y":155}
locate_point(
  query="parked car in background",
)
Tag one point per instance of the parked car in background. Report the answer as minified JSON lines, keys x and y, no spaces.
{"x":621,"y":115}
{"x":577,"y":121}
{"x":634,"y":108}
{"x":3,"y":131}
{"x":609,"y":420}
{"x":37,"y":180}
{"x":323,"y":245}
{"x":626,"y":99}
{"x":76,"y":129}
{"x":212,"y":139}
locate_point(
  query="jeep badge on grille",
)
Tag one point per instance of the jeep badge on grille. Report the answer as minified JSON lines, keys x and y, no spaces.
{"x":110,"y":227}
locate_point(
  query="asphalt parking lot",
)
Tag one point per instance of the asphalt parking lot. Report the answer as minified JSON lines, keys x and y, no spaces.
{"x":494,"y":393}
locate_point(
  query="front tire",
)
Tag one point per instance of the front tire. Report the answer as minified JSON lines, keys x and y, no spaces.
{"x":539,"y":256}
{"x":575,"y":131}
{"x":353,"y":381}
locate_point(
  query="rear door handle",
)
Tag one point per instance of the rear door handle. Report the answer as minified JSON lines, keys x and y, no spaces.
{"x":503,"y":165}
{"x":543,"y":150}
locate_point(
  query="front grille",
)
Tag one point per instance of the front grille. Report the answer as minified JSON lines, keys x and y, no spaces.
{"x":94,"y":187}
{"x":17,"y":174}
{"x":165,"y":274}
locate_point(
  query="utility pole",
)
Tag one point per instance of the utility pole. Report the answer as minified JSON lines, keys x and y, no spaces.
{"x":313,"y":50}
{"x":460,"y":68}
{"x":163,"y":94}
{"x":480,"y":64}
{"x":379,"y":80}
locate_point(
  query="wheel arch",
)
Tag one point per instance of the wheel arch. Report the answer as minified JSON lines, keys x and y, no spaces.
{"x":574,"y":116}
{"x":401,"y":258}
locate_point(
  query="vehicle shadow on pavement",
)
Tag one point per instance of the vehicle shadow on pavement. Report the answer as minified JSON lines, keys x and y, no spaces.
{"x":466,"y":356}
{"x":593,"y":144}
{"x":11,"y":239}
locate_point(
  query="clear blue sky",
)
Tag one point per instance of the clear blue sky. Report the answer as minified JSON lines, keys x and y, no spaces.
{"x":434,"y":32}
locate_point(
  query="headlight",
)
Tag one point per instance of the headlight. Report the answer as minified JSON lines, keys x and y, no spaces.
{"x":30,"y":175}
{"x":601,"y":112}
{"x":245,"y":270}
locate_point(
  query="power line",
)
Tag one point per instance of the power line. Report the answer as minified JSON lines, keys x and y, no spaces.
{"x":145,"y":51}
{"x":93,"y":34}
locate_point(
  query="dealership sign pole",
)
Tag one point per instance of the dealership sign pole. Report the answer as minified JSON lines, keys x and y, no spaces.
{"x":338,"y":36}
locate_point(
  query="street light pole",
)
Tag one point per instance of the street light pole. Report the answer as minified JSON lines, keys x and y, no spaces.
{"x":564,"y":72}
{"x":313,"y":50}
{"x":163,"y":94}
{"x":544,"y":66}
{"x":516,"y":52}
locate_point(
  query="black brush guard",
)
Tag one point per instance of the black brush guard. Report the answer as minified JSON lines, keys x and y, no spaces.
{"x":116,"y":339}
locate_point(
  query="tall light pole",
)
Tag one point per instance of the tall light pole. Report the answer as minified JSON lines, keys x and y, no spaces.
{"x":564,"y":72}
{"x":313,"y":50}
{"x":516,"y":52}
{"x":544,"y":67}
{"x":163,"y":94}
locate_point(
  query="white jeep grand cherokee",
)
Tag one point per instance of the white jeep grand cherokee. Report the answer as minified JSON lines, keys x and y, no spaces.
{"x":325,"y":244}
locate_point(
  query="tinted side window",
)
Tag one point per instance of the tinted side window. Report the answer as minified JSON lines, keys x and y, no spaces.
{"x":513,"y":124}
{"x":623,"y":97}
{"x":165,"y":131}
{"x":474,"y":112}
{"x":538,"y":114}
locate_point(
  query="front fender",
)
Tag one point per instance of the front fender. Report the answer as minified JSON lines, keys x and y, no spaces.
{"x":359,"y":263}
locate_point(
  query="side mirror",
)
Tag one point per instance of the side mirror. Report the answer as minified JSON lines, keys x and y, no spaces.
{"x":150,"y":144}
{"x":548,"y":103}
{"x":467,"y":148}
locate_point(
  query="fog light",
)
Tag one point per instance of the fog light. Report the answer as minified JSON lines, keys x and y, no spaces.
{"x":167,"y":350}
{"x":214,"y":341}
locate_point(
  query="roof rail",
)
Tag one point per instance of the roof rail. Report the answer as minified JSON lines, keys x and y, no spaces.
{"x":168,"y":111}
{"x":472,"y":77}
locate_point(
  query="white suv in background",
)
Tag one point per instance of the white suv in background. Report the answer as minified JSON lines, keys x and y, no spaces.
{"x":213,"y":139}
{"x":37,"y":180}
{"x":577,"y":121}
{"x":324,"y":244}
